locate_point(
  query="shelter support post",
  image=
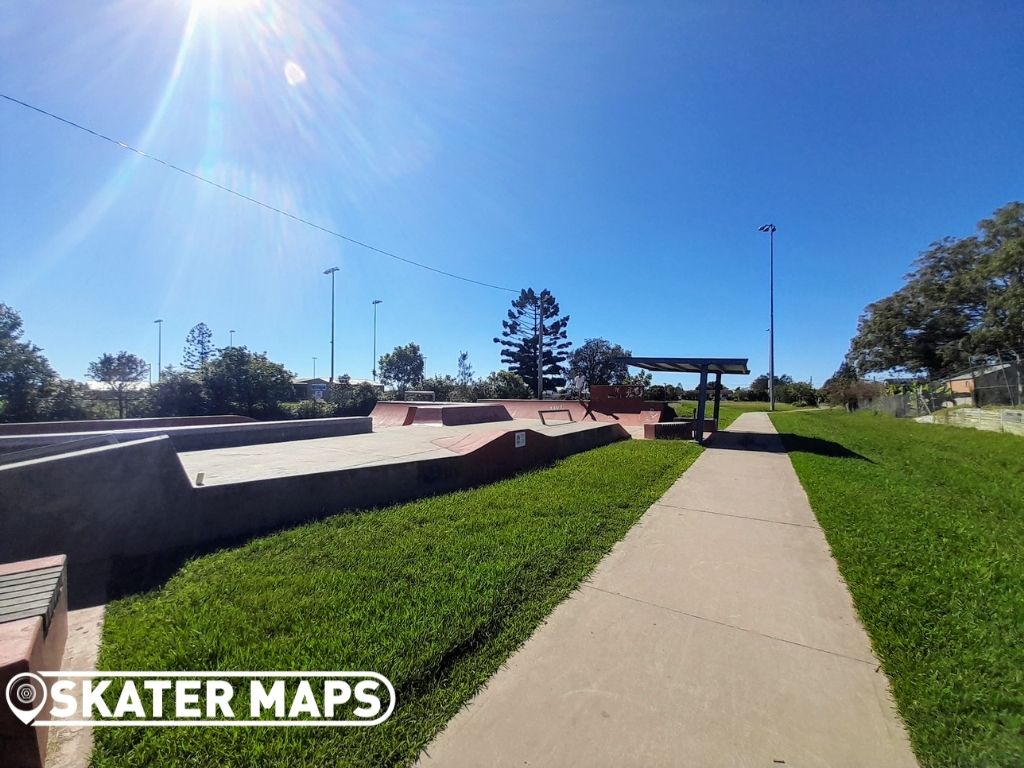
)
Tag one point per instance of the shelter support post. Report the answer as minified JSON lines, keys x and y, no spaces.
{"x":718,"y":395}
{"x":702,"y":399}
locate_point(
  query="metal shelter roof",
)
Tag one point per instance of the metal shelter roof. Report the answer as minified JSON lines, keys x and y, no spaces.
{"x":737,"y":365}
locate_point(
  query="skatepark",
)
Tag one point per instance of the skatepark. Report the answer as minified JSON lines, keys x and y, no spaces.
{"x":128,"y":503}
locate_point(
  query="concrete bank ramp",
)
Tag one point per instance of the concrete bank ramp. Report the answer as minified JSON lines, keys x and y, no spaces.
{"x":404,"y":414}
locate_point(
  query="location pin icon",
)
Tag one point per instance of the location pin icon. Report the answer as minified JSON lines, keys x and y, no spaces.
{"x":22,"y":692}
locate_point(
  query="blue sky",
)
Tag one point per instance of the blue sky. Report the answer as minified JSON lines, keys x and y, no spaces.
{"x":620,"y":154}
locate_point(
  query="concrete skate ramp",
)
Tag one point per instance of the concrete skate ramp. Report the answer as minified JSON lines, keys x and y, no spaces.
{"x":403,"y":414}
{"x":395,"y":414}
{"x":129,"y":515}
{"x":627,"y":412}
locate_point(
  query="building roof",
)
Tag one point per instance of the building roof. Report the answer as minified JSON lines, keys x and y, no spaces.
{"x":737,"y":365}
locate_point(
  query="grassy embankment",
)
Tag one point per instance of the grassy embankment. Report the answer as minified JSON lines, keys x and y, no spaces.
{"x":434,"y":594}
{"x":927,"y":525}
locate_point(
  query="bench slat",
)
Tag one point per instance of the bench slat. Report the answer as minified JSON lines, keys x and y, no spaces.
{"x":53,"y":572}
{"x":36,"y":592}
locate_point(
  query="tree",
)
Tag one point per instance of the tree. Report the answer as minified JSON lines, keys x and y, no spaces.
{"x":26,"y":377}
{"x":599,"y":362}
{"x":1002,"y":272}
{"x":465,"y":372}
{"x":348,"y":400}
{"x":179,"y":393}
{"x":121,"y":373}
{"x":70,"y":400}
{"x":534,"y":315}
{"x":246,"y":383}
{"x":402,"y":366}
{"x":445,"y":388}
{"x":501,"y":385}
{"x":199,"y":348}
{"x":965,"y":297}
{"x":845,"y":388}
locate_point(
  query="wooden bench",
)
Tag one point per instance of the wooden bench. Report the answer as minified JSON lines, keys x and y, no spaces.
{"x":554,"y":410}
{"x":33,"y":631}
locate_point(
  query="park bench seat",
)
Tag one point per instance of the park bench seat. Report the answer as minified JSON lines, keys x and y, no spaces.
{"x":33,"y":631}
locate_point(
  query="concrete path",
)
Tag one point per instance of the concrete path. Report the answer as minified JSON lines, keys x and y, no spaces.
{"x":717,"y":633}
{"x":69,"y":747}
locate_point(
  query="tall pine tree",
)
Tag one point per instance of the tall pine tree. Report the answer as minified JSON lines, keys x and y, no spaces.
{"x":520,"y":333}
{"x":198,"y":347}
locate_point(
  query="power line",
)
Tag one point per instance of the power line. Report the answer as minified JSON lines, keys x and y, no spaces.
{"x":253,"y":200}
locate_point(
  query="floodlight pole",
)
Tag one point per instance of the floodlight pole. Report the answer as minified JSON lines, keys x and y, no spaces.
{"x":331,"y":272}
{"x":314,"y":367}
{"x":231,"y":338}
{"x":770,"y":229}
{"x":375,"y":303}
{"x":159,"y":348}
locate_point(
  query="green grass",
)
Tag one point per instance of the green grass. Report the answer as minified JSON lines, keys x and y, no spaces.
{"x":434,"y":594}
{"x":928,"y":531}
{"x":729,"y":410}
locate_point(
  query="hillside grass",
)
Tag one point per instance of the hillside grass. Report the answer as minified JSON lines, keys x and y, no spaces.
{"x":434,"y":595}
{"x":927,"y":525}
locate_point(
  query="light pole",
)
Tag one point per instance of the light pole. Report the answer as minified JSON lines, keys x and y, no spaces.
{"x":375,"y":303}
{"x":770,"y":229}
{"x":159,"y":348}
{"x":231,"y":338}
{"x":314,"y":367}
{"x":331,"y":272}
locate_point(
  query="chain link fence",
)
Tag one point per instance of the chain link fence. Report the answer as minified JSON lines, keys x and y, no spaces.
{"x":989,"y":383}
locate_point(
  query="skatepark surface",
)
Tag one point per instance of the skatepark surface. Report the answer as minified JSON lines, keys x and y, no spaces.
{"x":388,"y":445}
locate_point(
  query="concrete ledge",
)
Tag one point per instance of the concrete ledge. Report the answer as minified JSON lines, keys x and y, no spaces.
{"x":676,"y":430}
{"x":107,"y":425}
{"x":208,"y":436}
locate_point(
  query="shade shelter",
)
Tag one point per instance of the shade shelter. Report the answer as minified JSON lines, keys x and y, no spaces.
{"x":702,"y":366}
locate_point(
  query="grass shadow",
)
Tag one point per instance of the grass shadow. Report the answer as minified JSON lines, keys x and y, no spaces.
{"x":785,"y":442}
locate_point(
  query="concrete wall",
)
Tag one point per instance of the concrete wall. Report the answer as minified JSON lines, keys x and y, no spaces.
{"x":106,"y":425}
{"x":1011,"y":421}
{"x":127,"y":516}
{"x":205,"y":437}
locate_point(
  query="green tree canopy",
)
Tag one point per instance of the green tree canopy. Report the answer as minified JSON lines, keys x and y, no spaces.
{"x":179,"y":393}
{"x":519,"y":337}
{"x":26,"y":377}
{"x":502,"y":385}
{"x":402,"y":366}
{"x":121,"y":373}
{"x":964,"y":297}
{"x":598,"y":361}
{"x":246,"y":383}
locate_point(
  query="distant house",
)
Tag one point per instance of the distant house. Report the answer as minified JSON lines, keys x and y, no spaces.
{"x":305,"y":388}
{"x":995,"y":383}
